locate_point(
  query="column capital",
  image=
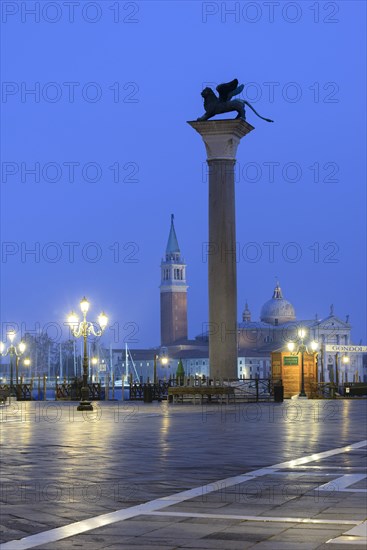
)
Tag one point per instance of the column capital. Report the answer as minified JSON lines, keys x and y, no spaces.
{"x":221,"y":137}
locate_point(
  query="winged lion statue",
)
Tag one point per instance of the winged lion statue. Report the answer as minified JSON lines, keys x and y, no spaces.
{"x":215,"y":105}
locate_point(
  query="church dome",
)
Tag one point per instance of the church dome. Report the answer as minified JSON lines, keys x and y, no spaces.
{"x":277,"y":310}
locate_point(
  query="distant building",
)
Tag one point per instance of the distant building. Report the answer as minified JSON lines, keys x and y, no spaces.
{"x":173,"y":292}
{"x":278,"y":325}
{"x":256,"y":339}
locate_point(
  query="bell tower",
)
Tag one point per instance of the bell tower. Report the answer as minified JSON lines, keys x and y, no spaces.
{"x":173,"y":291}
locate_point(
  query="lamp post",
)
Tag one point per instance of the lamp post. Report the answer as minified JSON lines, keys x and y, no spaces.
{"x":301,"y":348}
{"x":155,"y":369}
{"x":163,"y":359}
{"x":13,"y":350}
{"x":26,"y":363}
{"x":83,"y":330}
{"x":94,"y":362}
{"x":337,"y":370}
{"x":320,"y":356}
{"x":346,"y":362}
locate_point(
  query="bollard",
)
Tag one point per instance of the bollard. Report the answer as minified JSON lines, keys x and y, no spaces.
{"x":148,"y":394}
{"x":278,"y":394}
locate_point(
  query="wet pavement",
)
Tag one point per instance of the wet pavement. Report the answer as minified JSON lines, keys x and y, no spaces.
{"x":133,"y":475}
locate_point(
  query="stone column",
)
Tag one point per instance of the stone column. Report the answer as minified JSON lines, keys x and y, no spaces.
{"x":221,"y":139}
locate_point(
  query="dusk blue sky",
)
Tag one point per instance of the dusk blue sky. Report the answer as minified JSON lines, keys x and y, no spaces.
{"x":161,"y":54}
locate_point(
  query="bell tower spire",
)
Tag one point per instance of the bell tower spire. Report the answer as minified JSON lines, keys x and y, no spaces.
{"x":172,"y":248}
{"x":173,"y":290}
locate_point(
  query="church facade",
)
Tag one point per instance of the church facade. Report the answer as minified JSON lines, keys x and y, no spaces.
{"x":278,"y":326}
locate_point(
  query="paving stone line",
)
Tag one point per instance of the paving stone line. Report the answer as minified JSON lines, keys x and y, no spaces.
{"x":83,"y":526}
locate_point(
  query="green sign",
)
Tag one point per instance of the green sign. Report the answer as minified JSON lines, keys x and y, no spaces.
{"x":290,"y":360}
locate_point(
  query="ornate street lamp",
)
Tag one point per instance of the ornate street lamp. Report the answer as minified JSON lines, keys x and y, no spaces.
{"x":345,"y":361}
{"x":94,"y":363}
{"x":13,"y":350}
{"x":163,"y":359}
{"x":26,"y":363}
{"x":83,"y":330}
{"x":300,"y":347}
{"x":164,"y":362}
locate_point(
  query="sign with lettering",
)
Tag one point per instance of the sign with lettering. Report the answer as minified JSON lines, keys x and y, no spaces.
{"x":348,"y":349}
{"x":290,"y":360}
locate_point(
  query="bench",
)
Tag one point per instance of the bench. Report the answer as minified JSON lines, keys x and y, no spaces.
{"x":192,"y":392}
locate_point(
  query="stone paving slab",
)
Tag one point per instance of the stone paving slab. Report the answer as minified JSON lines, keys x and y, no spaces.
{"x":217,"y":545}
{"x":121,"y":456}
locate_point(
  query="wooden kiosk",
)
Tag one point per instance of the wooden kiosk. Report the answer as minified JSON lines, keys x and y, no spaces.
{"x":287,"y":367}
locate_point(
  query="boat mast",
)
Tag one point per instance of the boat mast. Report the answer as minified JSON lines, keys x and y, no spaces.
{"x":111,"y":369}
{"x":127,"y":364}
